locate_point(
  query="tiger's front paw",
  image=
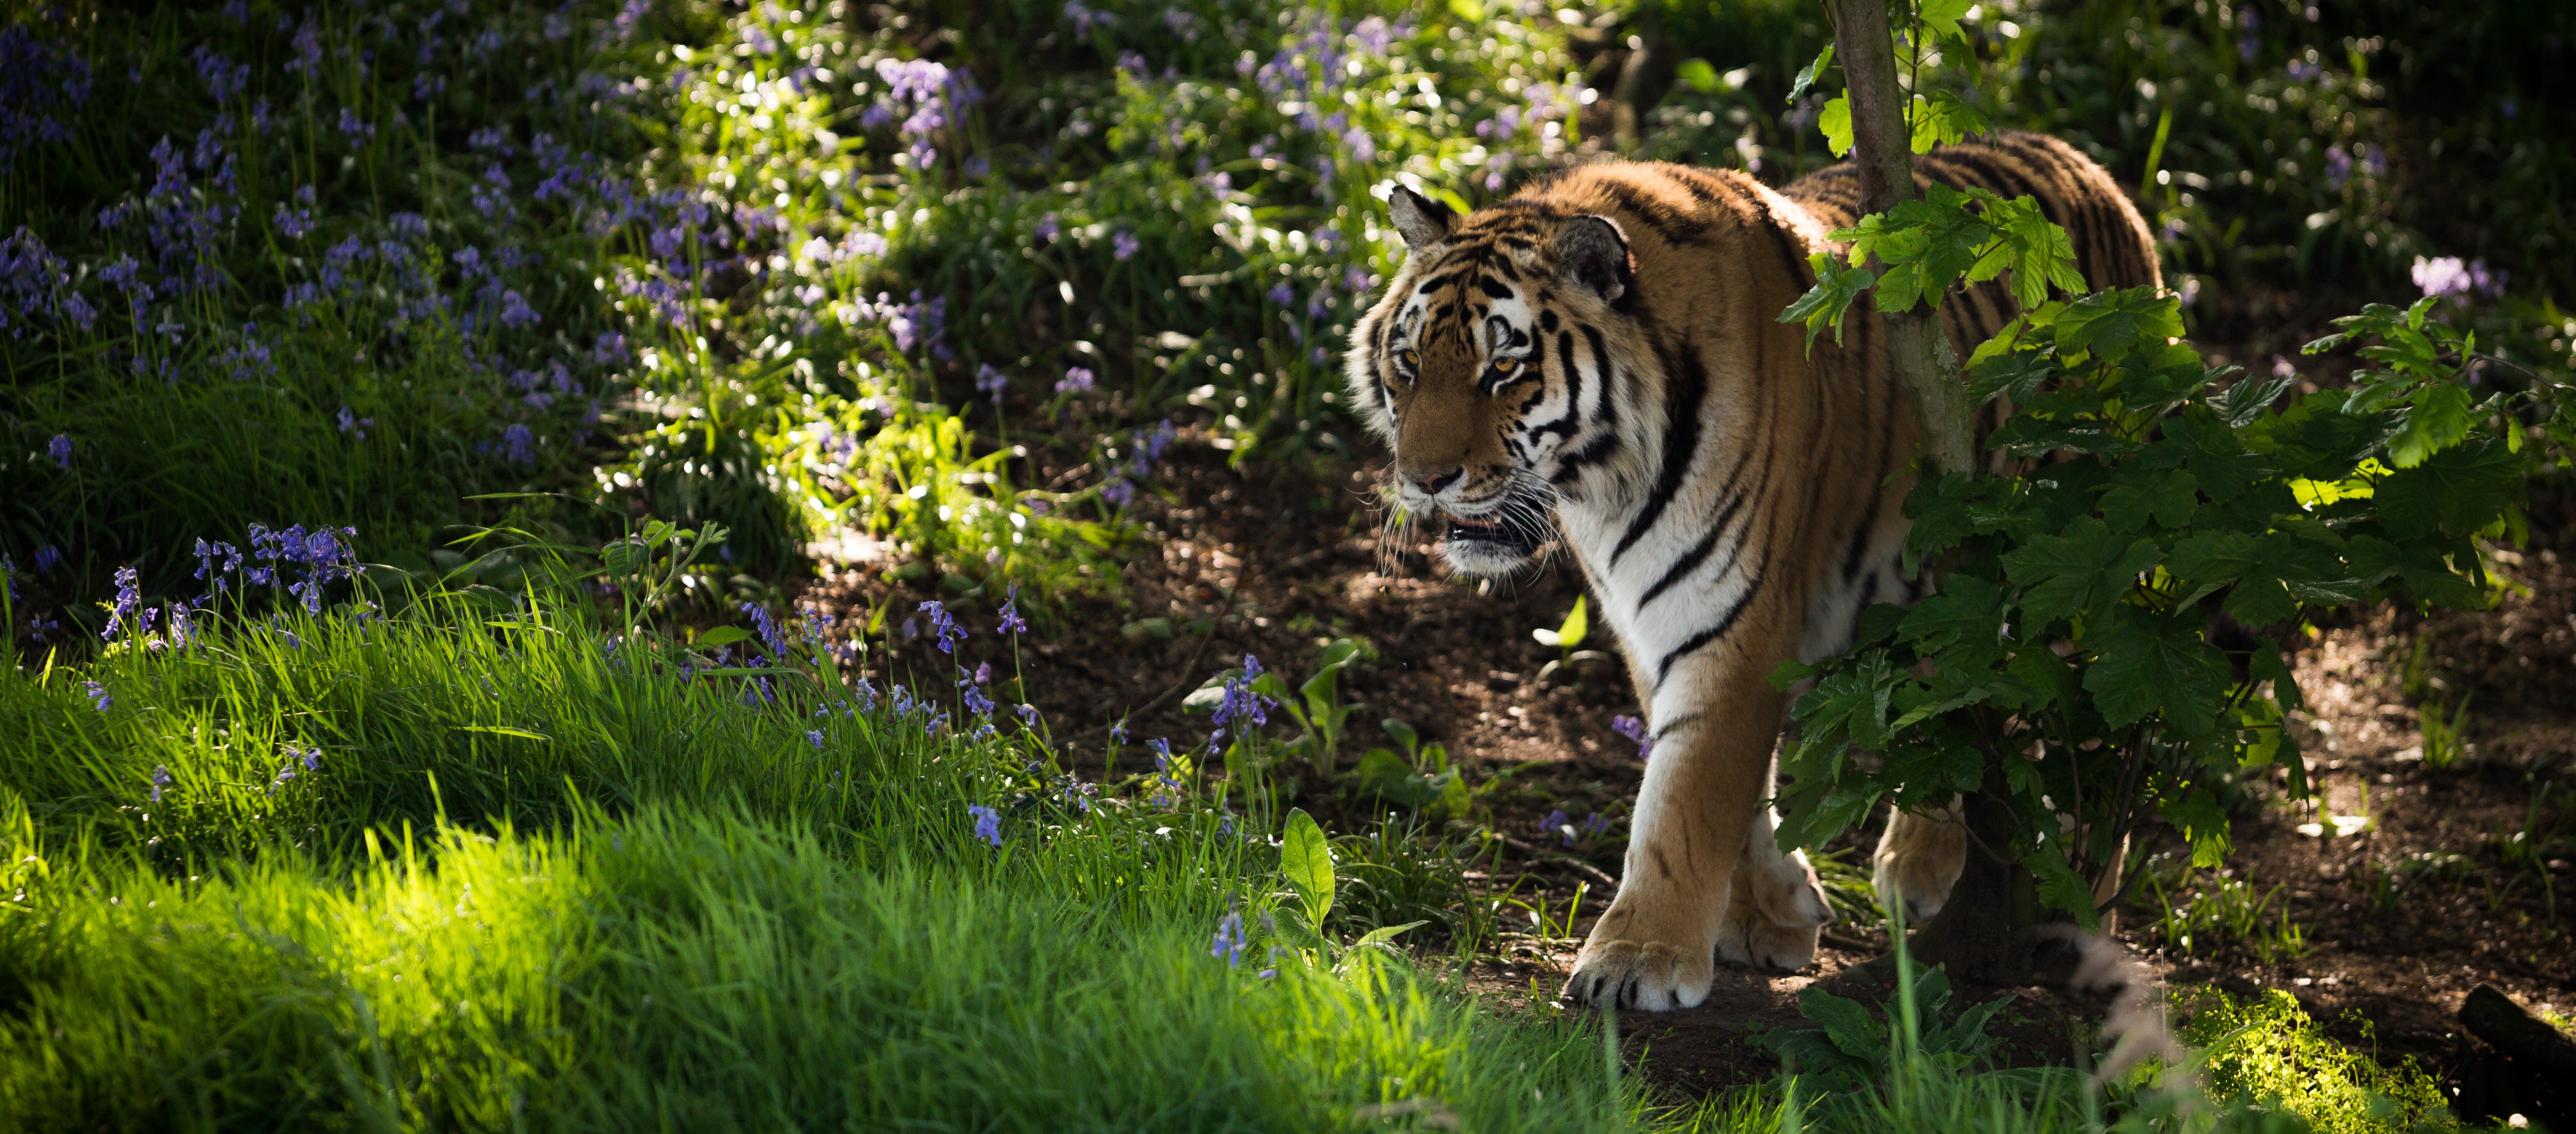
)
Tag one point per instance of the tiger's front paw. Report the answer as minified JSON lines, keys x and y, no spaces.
{"x":1629,"y":964}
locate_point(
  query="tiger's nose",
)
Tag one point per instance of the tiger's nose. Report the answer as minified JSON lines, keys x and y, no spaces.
{"x":1432,"y":483}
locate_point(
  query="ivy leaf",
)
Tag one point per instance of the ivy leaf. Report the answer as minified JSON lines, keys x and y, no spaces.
{"x":1836,"y":123}
{"x":2170,"y":498}
{"x":1824,"y":304}
{"x":2457,"y":490}
{"x":2439,"y":420}
{"x":2061,"y":575}
{"x":1808,"y":75}
{"x":2110,"y":324}
{"x":2145,"y":662}
{"x":2060,"y":886}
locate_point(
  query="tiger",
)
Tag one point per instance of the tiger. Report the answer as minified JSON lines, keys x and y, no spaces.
{"x":1597,"y":363}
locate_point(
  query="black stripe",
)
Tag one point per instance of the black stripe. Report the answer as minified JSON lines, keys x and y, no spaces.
{"x":1609,"y":392}
{"x":1690,"y":560}
{"x":1685,"y":386}
{"x":1669,"y":727}
{"x":1493,"y":287}
{"x":1564,"y":426}
{"x":1725,"y":622}
{"x":1593,"y":452}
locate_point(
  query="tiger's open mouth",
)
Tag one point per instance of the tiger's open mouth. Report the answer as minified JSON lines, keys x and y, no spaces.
{"x":1510,"y":532}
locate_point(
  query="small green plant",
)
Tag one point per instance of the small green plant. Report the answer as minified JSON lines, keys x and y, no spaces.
{"x":1568,"y":637}
{"x":2266,"y":1049}
{"x":1856,"y":1049}
{"x":1306,"y":864}
{"x":1420,"y":777}
{"x":1316,"y":706}
{"x":2443,"y":746}
{"x":2220,"y":910}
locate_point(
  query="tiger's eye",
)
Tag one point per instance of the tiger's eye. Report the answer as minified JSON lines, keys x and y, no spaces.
{"x":1410,"y":358}
{"x":1506,"y":365}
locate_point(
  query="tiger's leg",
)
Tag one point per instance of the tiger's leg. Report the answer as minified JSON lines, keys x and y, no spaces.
{"x":1918,"y":859}
{"x":1775,"y":907}
{"x":1656,"y":946}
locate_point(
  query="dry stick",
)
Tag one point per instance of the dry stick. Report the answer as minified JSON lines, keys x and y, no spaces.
{"x":1586,"y":869}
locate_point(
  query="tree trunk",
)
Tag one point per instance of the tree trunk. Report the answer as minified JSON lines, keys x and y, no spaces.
{"x":1977,"y":933}
{"x":1884,"y":150}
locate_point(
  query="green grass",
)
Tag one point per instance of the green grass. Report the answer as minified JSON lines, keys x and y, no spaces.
{"x":648,"y":901}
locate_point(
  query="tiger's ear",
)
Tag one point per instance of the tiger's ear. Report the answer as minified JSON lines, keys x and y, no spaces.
{"x":1592,"y":254}
{"x":1422,"y":221}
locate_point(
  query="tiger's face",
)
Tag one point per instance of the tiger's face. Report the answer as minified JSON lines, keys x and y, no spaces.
{"x":1486,"y":366}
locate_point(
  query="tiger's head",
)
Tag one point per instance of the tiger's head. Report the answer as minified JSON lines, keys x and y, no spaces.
{"x":1490,"y":367}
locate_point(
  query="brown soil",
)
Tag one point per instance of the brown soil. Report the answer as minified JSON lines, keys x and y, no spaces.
{"x":1276,"y":563}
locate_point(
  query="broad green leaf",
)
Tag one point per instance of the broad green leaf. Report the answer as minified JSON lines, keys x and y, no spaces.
{"x":1306,"y":859}
{"x":2144,"y":662}
{"x":1402,"y":733}
{"x":2241,"y":403}
{"x":1853,"y":1028}
{"x":1391,"y":777}
{"x":2203,"y":820}
{"x":2060,"y":886}
{"x":2457,"y":490}
{"x":1698,"y":74}
{"x":1944,"y":120}
{"x":1824,"y":304}
{"x":1385,"y":933}
{"x":2062,"y":575}
{"x":2169,"y":497}
{"x":1967,"y":608}
{"x":723,"y":636}
{"x":2213,"y":557}
{"x":2439,"y":420}
{"x":1569,"y":634}
{"x":1941,"y":17}
{"x":1808,"y":74}
{"x":2110,"y":324}
{"x":2036,"y":250}
{"x":1836,"y":122}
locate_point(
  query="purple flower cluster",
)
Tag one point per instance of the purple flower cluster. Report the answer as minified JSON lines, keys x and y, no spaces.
{"x":41,"y":82}
{"x":988,"y":823}
{"x":2447,"y":275}
{"x":1229,"y":940}
{"x":1077,"y":379}
{"x":943,"y":626}
{"x":1634,"y":728}
{"x":33,"y":281}
{"x":931,"y":97}
{"x":1240,"y":704}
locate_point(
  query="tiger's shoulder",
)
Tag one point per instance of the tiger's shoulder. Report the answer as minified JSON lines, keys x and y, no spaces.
{"x":2113,"y":246}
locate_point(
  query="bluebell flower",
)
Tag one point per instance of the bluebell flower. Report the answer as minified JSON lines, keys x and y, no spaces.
{"x":1282,"y":295}
{"x":1556,"y":823}
{"x":1028,"y":715}
{"x":61,"y":450}
{"x":943,"y":626}
{"x":312,"y":758}
{"x":98,"y":696}
{"x":1077,"y":379}
{"x":1012,"y":623}
{"x":129,"y":592}
{"x":770,"y":635}
{"x":991,"y":381}
{"x":1596,"y":823}
{"x":46,"y":557}
{"x":160,"y":779}
{"x":977,"y":703}
{"x":1118,"y":733}
{"x":1125,"y":244}
{"x":1634,"y":728}
{"x":1229,"y":940}
{"x":988,"y":823}
{"x":814,"y":736}
{"x":984,"y":673}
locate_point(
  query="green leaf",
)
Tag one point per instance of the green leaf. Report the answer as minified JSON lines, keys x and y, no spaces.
{"x":1402,"y":733}
{"x":2439,"y":420}
{"x":2241,"y":403}
{"x":2036,"y":250}
{"x":1823,"y":305}
{"x":1876,"y":622}
{"x":1851,"y":1026}
{"x":2457,"y":490}
{"x":1306,"y":859}
{"x":1837,"y":125}
{"x":2062,"y":575}
{"x":504,"y":730}
{"x":1697,"y":73}
{"x":1391,"y":777}
{"x":1945,"y":120}
{"x":1967,"y":609}
{"x":1941,"y":17}
{"x":1808,"y":74}
{"x":1385,"y":933}
{"x":2110,"y":324}
{"x":2145,"y":662}
{"x":2203,"y":820}
{"x":2169,"y":497}
{"x":2060,"y":886}
{"x":1569,"y":634}
{"x":723,"y":636}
